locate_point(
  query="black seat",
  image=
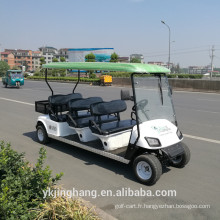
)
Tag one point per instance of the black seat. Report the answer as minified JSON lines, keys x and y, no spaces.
{"x":83,"y":104}
{"x":74,"y":119}
{"x":106,"y":108}
{"x":113,"y":127}
{"x":59,"y":104}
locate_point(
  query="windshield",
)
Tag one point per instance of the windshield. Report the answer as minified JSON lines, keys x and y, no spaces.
{"x":153,"y":98}
{"x":16,"y":75}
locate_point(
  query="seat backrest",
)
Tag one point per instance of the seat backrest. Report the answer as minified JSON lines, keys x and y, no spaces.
{"x":107,"y":108}
{"x":83,"y":104}
{"x":63,"y":99}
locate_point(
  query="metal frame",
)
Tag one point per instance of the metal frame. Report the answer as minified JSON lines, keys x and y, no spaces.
{"x":52,"y":89}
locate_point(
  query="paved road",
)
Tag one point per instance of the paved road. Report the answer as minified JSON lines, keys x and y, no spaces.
{"x":198,"y":183}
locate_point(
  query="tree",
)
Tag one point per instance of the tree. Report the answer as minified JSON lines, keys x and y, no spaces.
{"x":55,"y":60}
{"x":135,"y":60}
{"x":15,"y":68}
{"x":90,"y":57}
{"x":42,"y":61}
{"x":3,"y":68}
{"x":114,"y":58}
{"x":62,"y":59}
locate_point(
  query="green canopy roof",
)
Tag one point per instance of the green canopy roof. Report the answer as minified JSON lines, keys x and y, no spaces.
{"x":123,"y":67}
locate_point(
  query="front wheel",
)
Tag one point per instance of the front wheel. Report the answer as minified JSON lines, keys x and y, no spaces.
{"x":6,"y":85}
{"x":42,"y":136}
{"x":18,"y":85}
{"x":147,"y":169}
{"x":181,"y":160}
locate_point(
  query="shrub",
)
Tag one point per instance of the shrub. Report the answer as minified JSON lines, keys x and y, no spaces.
{"x":21,"y":184}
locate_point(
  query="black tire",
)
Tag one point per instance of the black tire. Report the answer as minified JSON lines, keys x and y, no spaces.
{"x":18,"y":85}
{"x":152,"y":175}
{"x":182,"y":160}
{"x":42,"y":136}
{"x":6,"y":85}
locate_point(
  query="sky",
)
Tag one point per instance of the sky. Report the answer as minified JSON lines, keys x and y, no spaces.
{"x":129,"y":26}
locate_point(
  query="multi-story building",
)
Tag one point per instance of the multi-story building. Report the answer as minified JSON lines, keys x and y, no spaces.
{"x":21,"y":57}
{"x":36,"y":55}
{"x":199,"y":69}
{"x":48,"y":53}
{"x":63,"y":52}
{"x":101,"y":54}
{"x":8,"y":58}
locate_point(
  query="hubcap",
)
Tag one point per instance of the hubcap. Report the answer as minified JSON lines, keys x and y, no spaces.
{"x":144,"y":170}
{"x":40,"y":135}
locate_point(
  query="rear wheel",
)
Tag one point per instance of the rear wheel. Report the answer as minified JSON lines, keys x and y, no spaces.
{"x":42,"y":136}
{"x":147,"y":169}
{"x":181,"y":160}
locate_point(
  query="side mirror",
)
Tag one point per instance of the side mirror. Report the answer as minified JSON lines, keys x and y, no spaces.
{"x":125,"y":95}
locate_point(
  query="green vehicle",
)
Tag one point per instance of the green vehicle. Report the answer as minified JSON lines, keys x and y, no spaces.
{"x":13,"y":78}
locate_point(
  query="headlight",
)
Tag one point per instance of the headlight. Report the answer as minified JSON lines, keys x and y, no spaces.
{"x":153,"y":142}
{"x":179,"y":134}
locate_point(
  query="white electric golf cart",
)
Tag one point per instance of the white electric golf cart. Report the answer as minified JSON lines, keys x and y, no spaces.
{"x":148,"y":140}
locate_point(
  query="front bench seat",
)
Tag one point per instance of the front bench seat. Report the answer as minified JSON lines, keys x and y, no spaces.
{"x":105,"y":108}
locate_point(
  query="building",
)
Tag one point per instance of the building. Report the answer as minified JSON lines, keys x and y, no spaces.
{"x":159,"y":63}
{"x":101,"y":54}
{"x":63,"y":52}
{"x":36,"y":55}
{"x":21,"y":58}
{"x":123,"y":60}
{"x":48,"y":53}
{"x":199,"y":69}
{"x":8,"y":58}
{"x":137,"y":56}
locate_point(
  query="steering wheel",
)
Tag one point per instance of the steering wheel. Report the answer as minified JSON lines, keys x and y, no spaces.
{"x":140,"y":105}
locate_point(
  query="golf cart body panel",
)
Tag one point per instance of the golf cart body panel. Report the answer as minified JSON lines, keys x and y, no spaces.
{"x":148,"y":139}
{"x":13,"y":78}
{"x":160,"y":129}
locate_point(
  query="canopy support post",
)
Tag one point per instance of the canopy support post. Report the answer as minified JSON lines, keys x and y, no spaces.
{"x":77,"y":81}
{"x":47,"y":81}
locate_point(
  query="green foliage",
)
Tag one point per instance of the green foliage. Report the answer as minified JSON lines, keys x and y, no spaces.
{"x":3,"y":68}
{"x":55,"y":60}
{"x":15,"y":68}
{"x":92,"y":76}
{"x":62,"y":59}
{"x":42,"y":61}
{"x":66,"y":78}
{"x":114,"y":58}
{"x":90,"y":57}
{"x":135,"y":60}
{"x":22,"y":184}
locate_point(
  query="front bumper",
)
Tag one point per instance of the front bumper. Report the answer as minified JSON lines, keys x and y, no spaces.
{"x":173,"y":150}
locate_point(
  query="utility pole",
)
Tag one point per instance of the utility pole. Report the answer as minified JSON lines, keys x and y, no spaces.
{"x":212,"y":57}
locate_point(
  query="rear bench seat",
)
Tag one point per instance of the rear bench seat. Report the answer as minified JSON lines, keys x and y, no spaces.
{"x":106,"y":108}
{"x":59,"y":104}
{"x":76,"y":120}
